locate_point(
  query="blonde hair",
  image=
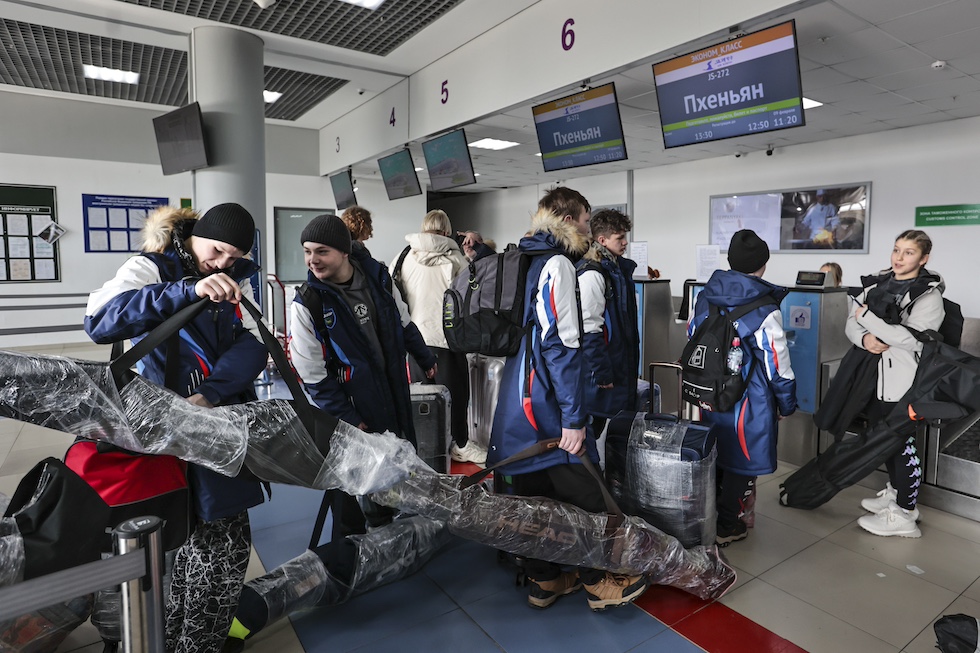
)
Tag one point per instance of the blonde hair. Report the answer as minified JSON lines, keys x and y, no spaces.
{"x":437,"y":222}
{"x":835,"y":272}
{"x":358,"y":221}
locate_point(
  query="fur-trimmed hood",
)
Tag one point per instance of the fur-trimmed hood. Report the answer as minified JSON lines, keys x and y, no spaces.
{"x":161,"y":223}
{"x":557,"y":234}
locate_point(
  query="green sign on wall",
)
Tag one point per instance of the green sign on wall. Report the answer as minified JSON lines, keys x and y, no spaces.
{"x":948,"y":215}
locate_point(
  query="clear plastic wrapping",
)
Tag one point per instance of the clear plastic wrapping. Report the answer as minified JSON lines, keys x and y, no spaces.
{"x":664,"y":472}
{"x":11,"y":552}
{"x":384,"y":555}
{"x":79,"y":398}
{"x":44,"y":629}
{"x":541,"y":528}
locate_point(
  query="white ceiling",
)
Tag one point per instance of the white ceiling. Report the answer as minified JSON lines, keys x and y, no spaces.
{"x":868,"y":61}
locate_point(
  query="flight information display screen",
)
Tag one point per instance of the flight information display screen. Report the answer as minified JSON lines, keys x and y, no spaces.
{"x":743,"y":86}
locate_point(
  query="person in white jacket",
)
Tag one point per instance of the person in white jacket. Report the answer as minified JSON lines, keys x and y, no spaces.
{"x":427,"y":270}
{"x":905,"y":296}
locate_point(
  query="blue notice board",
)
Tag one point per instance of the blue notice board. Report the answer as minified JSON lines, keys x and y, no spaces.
{"x":113,"y":222}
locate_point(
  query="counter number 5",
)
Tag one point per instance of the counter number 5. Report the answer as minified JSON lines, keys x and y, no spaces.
{"x":445,"y":91}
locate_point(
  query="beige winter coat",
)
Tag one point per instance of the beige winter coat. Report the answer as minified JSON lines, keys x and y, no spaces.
{"x":428,"y":270}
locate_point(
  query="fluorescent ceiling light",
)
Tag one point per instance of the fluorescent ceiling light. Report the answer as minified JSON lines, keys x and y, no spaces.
{"x":538,"y":154}
{"x":271,"y":96}
{"x":110,"y":74}
{"x":367,"y":4}
{"x":476,"y":174}
{"x":418,"y":170}
{"x":493,"y":144}
{"x":809,"y":104}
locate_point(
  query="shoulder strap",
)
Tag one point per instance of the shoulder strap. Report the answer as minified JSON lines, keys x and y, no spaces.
{"x":314,"y":304}
{"x":397,"y":269}
{"x":536,"y":449}
{"x":741,"y":311}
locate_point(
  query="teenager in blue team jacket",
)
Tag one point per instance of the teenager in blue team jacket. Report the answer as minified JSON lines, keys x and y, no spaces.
{"x":747,"y":434}
{"x":612,"y":337}
{"x":542,"y":396}
{"x":356,"y":370}
{"x":185,"y":259}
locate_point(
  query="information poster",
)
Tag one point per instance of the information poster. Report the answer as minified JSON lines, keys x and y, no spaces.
{"x":25,"y":212}
{"x":113,"y":222}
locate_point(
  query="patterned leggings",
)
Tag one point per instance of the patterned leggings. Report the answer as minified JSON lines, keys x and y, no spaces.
{"x":209,"y":571}
{"x":905,"y":474}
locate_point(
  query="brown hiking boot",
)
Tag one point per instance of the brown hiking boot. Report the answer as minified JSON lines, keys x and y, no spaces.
{"x":615,"y":590}
{"x":543,"y":593}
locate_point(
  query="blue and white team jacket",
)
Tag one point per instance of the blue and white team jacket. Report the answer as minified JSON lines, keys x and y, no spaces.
{"x":747,"y":434}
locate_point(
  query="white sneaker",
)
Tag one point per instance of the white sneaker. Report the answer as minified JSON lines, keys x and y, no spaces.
{"x":886,"y":496}
{"x":893,"y":520}
{"x":471,"y":453}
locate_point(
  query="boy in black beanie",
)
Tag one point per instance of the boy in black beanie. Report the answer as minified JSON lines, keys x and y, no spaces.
{"x":746,"y":434}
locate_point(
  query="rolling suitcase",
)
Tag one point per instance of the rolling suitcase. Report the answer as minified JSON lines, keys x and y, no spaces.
{"x":662,"y":469}
{"x":485,"y":373}
{"x":430,"y":415}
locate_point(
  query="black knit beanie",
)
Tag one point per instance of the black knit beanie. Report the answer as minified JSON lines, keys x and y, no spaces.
{"x":327,"y":230}
{"x":747,"y":252}
{"x":230,"y":223}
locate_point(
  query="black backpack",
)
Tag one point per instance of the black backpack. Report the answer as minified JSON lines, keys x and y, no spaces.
{"x":483,"y":309}
{"x":706,"y":380}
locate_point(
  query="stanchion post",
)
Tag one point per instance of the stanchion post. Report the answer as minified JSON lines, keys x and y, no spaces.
{"x":142,"y":598}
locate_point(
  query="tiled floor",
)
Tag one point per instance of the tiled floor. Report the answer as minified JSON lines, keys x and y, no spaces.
{"x":808,"y":580}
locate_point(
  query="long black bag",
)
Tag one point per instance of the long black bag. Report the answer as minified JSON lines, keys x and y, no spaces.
{"x":946,"y":386}
{"x":318,"y":424}
{"x":956,"y":633}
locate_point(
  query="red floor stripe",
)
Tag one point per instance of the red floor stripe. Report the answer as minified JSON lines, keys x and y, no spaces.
{"x":713,"y":626}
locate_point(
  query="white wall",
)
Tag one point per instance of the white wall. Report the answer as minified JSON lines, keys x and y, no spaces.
{"x":916,"y":166}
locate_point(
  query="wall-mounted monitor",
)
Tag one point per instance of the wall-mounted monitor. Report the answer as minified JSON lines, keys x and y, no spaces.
{"x":746,"y":85}
{"x":343,"y":189}
{"x":580,"y":129}
{"x":795,"y":220}
{"x":180,"y":140}
{"x":398,"y":174}
{"x":448,"y":159}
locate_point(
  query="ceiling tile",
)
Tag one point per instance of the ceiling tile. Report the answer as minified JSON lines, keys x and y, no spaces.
{"x":884,"y":63}
{"x":843,"y":92}
{"x":916,"y":77}
{"x":825,"y":18}
{"x":952,"y":46}
{"x":837,"y":48}
{"x":879,"y":11}
{"x":900,"y":110}
{"x":935,"y":22}
{"x":871,"y":102}
{"x":946,"y":88}
{"x":920,"y":119}
{"x":822,"y":77}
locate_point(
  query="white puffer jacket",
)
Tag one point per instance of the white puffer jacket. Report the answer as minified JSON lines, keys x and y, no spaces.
{"x":922,"y":309}
{"x":428,"y":270}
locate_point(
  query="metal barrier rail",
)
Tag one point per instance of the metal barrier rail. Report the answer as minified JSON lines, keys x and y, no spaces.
{"x":140,"y":577}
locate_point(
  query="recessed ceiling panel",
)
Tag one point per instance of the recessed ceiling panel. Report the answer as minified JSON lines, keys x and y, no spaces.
{"x":330,"y":22}
{"x":51,"y":59}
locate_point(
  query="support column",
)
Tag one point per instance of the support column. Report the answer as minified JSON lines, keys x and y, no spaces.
{"x":226,"y":76}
